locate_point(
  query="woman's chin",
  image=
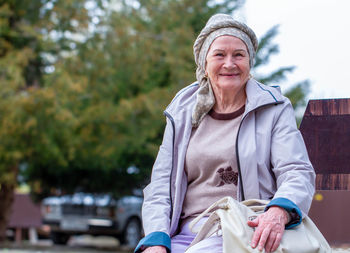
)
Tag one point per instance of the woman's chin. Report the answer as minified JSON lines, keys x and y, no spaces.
{"x":231,"y":85}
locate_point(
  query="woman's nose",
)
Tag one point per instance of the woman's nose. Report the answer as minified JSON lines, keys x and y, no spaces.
{"x":229,"y":62}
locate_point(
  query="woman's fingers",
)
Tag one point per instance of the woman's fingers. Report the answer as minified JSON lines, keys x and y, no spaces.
{"x":277,"y":241}
{"x":253,"y":223}
{"x":257,"y":233}
{"x":264,"y":236}
{"x":271,"y":241}
{"x":270,"y":228}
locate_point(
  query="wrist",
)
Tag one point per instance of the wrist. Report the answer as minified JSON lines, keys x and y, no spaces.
{"x":285,"y":216}
{"x":154,"y":249}
{"x":292,"y":209}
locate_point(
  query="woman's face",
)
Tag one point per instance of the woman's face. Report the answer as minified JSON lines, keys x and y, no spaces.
{"x":227,"y":63}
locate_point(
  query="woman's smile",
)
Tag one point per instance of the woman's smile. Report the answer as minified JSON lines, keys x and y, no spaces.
{"x":230,"y":74}
{"x":228,"y":63}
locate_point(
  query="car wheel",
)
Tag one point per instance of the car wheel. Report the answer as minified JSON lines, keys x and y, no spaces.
{"x":132,"y":233}
{"x":59,"y":238}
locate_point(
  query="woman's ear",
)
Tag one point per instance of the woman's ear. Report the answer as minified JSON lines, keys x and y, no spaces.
{"x":206,"y":72}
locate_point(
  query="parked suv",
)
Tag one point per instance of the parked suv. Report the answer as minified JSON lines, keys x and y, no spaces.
{"x":84,"y":213}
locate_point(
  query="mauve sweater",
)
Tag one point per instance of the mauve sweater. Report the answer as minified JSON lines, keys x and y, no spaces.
{"x":210,"y":163}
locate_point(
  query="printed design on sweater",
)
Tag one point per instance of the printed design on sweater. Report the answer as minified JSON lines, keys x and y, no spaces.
{"x":227,"y":176}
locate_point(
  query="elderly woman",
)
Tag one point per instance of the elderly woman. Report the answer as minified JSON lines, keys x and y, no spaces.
{"x":226,"y":135}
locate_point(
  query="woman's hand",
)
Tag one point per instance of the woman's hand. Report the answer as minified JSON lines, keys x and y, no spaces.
{"x":155,"y":249}
{"x":270,"y":227}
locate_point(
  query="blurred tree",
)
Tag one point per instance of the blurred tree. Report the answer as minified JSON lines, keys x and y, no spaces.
{"x":34,"y":123}
{"x":298,"y":92}
{"x":134,"y":63}
{"x":147,"y":51}
{"x":83,"y":87}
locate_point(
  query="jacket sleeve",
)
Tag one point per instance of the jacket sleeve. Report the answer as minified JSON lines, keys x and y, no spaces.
{"x":157,"y":205}
{"x":154,"y":239}
{"x":295,"y":176}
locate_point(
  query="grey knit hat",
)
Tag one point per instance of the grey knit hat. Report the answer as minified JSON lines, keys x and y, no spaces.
{"x":218,"y":25}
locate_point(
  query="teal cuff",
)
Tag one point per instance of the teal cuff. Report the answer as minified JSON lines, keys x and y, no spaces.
{"x":289,"y":206}
{"x":154,"y":239}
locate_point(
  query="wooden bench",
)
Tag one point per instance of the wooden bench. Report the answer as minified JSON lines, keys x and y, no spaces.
{"x":326,"y":131}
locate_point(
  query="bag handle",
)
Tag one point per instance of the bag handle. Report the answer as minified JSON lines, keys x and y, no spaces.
{"x":256,"y":205}
{"x":222,"y":203}
{"x":212,"y":224}
{"x":207,"y":229}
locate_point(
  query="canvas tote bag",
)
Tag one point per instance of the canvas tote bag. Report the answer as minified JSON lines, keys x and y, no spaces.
{"x":230,"y":219}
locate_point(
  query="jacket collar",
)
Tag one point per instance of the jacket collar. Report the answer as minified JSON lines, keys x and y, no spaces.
{"x":258,"y":95}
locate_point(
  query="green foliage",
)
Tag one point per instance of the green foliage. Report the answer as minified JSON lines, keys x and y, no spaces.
{"x":298,"y":92}
{"x":35,"y":124}
{"x":133,"y":67}
{"x":83,"y":85}
{"x":266,"y":47}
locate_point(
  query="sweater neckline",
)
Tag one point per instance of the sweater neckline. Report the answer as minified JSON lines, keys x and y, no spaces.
{"x":226,"y":116}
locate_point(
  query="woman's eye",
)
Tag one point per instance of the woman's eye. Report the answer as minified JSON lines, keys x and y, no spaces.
{"x":219,"y":54}
{"x":239,"y":55}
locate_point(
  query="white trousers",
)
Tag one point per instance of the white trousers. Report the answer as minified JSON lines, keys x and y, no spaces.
{"x":181,"y":241}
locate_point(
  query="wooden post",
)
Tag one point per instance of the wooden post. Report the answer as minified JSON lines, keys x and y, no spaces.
{"x":18,"y":235}
{"x":33,"y":235}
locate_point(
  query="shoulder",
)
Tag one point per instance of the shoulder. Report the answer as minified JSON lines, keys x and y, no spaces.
{"x":259,"y":95}
{"x":271,"y":91}
{"x":268,"y":102}
{"x":184,"y":98}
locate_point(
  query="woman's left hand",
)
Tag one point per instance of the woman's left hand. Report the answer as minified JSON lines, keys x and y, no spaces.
{"x":270,"y":227}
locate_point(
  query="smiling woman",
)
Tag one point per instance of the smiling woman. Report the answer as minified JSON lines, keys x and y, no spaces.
{"x":226,"y":135}
{"x":228,"y":71}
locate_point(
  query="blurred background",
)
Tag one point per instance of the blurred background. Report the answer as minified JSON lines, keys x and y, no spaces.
{"x":83,"y":86}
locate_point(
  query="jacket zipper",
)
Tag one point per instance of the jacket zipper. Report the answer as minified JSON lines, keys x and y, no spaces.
{"x":172,"y":163}
{"x":237,"y":154}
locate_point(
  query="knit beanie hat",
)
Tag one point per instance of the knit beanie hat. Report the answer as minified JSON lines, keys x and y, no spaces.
{"x":218,"y":25}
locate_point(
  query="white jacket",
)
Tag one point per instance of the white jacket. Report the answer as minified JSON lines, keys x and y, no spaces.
{"x":271,"y":154}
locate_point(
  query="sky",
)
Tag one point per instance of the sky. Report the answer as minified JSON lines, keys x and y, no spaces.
{"x":314,"y":36}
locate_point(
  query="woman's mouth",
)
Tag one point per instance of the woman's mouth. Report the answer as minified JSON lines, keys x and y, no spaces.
{"x":230,"y":74}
